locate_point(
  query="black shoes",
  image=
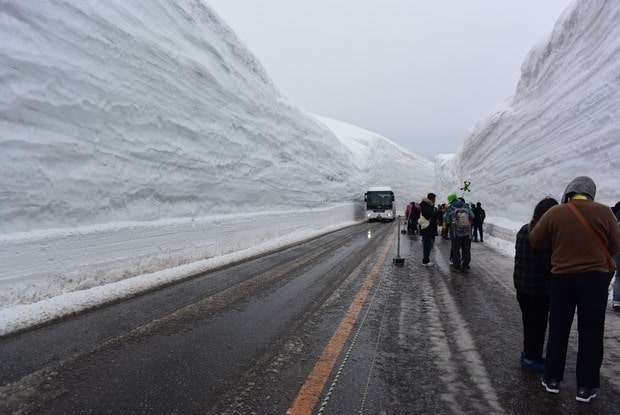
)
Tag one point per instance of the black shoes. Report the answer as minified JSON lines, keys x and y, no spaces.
{"x":551,"y":385}
{"x":585,"y":394}
{"x":456,"y":268}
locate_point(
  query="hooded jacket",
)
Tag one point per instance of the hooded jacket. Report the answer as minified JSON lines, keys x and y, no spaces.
{"x":573,"y":249}
{"x":427,"y":209}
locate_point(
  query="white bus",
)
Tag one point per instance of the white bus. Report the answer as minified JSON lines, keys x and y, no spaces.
{"x":380,"y":204}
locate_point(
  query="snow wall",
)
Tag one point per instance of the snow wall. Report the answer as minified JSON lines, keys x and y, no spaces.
{"x":139,"y":136}
{"x":563,"y":121}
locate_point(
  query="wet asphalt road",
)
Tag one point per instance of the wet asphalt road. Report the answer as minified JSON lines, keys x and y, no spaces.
{"x":244,"y":339}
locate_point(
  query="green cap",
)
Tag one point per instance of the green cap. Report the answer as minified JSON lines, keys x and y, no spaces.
{"x":452,"y":197}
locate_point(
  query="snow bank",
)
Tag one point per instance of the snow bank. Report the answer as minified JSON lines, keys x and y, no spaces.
{"x":563,"y":121}
{"x":88,"y":261}
{"x":139,"y":137}
{"x":40,"y":265}
{"x":144,"y":111}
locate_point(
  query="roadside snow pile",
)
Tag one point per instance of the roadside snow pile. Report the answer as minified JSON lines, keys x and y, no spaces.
{"x":563,"y":121}
{"x":142,"y":136}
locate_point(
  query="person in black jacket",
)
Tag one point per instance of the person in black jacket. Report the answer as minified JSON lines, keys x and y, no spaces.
{"x":428,"y":233}
{"x":479,"y":215}
{"x":532,"y":279}
{"x":412,"y":219}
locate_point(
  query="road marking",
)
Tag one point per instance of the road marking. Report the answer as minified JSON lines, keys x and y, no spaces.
{"x":311,"y":390}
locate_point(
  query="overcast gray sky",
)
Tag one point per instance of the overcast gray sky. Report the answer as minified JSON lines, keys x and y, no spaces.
{"x":420,"y":73}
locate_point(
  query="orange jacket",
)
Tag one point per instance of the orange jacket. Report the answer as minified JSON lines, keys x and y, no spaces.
{"x":573,"y":249}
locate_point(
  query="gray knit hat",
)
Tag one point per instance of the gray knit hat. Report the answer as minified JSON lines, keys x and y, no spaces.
{"x":581,"y":185}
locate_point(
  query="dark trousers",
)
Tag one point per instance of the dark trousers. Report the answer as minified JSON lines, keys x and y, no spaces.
{"x":588,"y":293}
{"x":478,"y":228}
{"x":461,"y":251}
{"x":427,"y":245}
{"x":534,"y":313}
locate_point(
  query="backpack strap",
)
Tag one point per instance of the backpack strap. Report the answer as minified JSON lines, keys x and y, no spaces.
{"x":594,"y":236}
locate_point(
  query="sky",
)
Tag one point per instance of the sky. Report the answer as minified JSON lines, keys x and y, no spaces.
{"x":420,"y":73}
{"x":181,"y":156}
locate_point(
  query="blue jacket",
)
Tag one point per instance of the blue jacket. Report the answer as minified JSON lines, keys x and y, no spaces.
{"x":450,"y":214}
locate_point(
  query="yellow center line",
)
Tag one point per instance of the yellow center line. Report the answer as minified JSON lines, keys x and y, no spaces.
{"x":311,"y":390}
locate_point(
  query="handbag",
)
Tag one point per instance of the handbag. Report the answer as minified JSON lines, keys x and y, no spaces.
{"x":423,"y":222}
{"x":610,"y":261}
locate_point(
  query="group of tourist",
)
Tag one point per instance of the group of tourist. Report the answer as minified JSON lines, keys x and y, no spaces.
{"x":460,"y":223}
{"x":565,"y":258}
{"x":564,"y":262}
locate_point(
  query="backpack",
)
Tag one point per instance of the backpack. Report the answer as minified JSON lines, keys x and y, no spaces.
{"x":460,"y":220}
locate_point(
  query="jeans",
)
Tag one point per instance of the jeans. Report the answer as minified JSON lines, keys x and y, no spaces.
{"x":588,"y":293}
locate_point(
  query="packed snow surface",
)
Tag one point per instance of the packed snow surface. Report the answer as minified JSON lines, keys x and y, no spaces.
{"x":143,"y":143}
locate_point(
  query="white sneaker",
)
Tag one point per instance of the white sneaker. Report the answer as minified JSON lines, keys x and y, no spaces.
{"x":428,"y":264}
{"x":616,"y":305}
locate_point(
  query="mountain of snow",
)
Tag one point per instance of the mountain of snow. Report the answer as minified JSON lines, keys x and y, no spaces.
{"x":383,"y":162}
{"x":563,"y":121}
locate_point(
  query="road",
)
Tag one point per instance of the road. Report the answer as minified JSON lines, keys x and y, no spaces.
{"x":329,"y":326}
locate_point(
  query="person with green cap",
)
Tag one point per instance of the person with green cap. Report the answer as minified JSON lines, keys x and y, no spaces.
{"x":459,"y":217}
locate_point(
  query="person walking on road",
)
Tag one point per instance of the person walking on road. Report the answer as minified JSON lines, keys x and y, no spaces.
{"x":459,"y":217}
{"x":532,"y":277}
{"x":479,"y":215}
{"x":428,"y":227}
{"x":413,"y":214}
{"x":583,"y":235}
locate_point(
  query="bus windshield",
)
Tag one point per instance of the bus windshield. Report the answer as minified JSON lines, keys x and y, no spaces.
{"x":379,"y":200}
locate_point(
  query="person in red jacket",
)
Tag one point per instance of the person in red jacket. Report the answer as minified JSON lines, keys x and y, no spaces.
{"x":580,"y":277}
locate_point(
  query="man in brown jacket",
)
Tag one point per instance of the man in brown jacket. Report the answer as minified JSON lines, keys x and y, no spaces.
{"x":580,"y":279}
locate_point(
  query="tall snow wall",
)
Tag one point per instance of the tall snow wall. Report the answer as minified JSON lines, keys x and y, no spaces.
{"x":563,"y":121}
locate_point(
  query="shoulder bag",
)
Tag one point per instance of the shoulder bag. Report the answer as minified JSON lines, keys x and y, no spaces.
{"x":610,"y":261}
